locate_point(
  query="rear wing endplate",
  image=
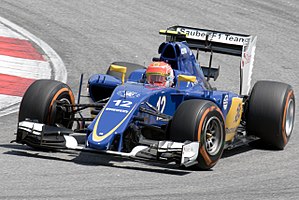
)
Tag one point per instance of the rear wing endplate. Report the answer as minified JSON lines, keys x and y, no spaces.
{"x":234,"y":44}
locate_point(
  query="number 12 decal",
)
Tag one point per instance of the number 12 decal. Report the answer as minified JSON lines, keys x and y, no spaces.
{"x":122,"y":103}
{"x":161,"y":103}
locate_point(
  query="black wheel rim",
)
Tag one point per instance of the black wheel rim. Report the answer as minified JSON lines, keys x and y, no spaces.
{"x":63,"y":115}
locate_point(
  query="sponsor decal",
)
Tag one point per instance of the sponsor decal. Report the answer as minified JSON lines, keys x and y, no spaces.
{"x":233,"y":118}
{"x":117,"y":110}
{"x":238,"y":113}
{"x":230,"y":130}
{"x":225,"y":102}
{"x":128,"y":94}
{"x":214,"y":36}
{"x":183,"y":51}
{"x":245,"y":59}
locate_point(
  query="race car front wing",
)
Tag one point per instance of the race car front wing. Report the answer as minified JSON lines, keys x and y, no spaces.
{"x":49,"y":137}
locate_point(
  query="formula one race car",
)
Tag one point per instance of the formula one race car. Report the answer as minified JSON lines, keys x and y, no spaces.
{"x":135,"y":113}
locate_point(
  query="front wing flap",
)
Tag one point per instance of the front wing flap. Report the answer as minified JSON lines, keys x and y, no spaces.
{"x":43,"y":136}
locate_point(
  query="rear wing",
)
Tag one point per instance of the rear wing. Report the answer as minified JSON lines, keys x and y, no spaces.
{"x":234,"y":44}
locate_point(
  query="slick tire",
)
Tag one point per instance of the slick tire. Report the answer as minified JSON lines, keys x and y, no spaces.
{"x":202,"y":121}
{"x":130,"y":68}
{"x":271,"y":113}
{"x":39,"y":103}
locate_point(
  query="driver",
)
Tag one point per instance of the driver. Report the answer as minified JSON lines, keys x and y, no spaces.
{"x":159,"y":74}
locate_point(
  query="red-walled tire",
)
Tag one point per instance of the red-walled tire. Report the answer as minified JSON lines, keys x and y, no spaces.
{"x":202,"y":121}
{"x":271,"y":113}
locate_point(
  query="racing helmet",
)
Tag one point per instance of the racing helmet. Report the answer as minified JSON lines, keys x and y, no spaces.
{"x":159,"y":74}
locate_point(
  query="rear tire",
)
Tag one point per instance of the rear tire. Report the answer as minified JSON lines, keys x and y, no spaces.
{"x":38,"y":103}
{"x":271,"y":113}
{"x":200,"y":120}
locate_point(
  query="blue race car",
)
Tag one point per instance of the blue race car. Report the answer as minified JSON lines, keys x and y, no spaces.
{"x":167,"y":111}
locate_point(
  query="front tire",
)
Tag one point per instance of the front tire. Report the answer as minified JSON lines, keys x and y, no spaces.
{"x":271,"y":113}
{"x":202,"y":121}
{"x":38,"y":103}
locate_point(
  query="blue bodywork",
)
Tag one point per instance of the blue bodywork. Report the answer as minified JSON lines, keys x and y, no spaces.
{"x":127,"y":99}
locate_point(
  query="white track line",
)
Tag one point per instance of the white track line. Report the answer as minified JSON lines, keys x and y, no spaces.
{"x":6,"y":32}
{"x":11,"y":104}
{"x":25,"y":68}
{"x":8,"y":104}
{"x":59,"y":69}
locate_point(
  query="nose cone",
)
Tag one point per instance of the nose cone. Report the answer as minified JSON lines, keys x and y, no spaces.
{"x":110,"y":122}
{"x":116,"y":115}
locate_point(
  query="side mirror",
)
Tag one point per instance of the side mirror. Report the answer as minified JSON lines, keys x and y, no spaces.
{"x":120,"y":69}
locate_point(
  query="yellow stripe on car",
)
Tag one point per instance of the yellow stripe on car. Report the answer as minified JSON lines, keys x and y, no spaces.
{"x":233,"y":118}
{"x":96,"y":137}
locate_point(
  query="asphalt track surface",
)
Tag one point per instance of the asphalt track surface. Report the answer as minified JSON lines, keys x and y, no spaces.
{"x":88,"y":35}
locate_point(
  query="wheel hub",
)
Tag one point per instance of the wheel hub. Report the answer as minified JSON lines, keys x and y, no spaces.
{"x":213,"y":136}
{"x":290,"y":117}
